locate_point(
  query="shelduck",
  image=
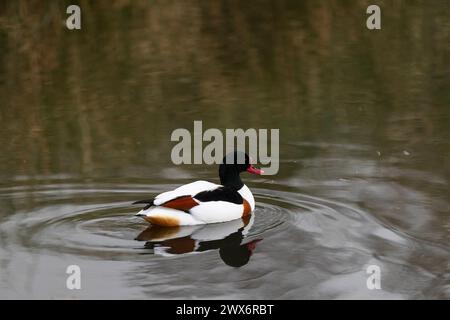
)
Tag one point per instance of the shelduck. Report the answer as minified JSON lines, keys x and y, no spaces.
{"x":202,"y":202}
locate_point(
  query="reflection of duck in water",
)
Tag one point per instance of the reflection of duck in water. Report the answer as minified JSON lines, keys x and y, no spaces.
{"x":227,"y":237}
{"x":204,"y":202}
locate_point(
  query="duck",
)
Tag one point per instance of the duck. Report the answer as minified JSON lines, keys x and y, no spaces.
{"x":203,"y":202}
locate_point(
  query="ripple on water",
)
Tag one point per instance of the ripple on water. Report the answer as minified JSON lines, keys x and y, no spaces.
{"x":303,"y":238}
{"x":92,"y":221}
{"x":70,"y":219}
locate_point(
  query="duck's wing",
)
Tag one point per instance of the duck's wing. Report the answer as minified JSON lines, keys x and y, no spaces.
{"x":189,"y":189}
{"x":219,"y":205}
{"x":179,"y":198}
{"x":220,"y":194}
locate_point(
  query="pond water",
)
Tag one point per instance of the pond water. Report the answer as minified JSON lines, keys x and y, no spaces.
{"x":364,"y":119}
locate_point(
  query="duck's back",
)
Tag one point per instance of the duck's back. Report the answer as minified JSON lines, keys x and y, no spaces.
{"x":190,"y":189}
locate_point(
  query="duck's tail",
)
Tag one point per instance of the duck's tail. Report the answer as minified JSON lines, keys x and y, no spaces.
{"x":148,"y":204}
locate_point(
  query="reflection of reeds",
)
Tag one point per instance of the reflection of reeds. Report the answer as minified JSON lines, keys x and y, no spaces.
{"x":103,"y":95}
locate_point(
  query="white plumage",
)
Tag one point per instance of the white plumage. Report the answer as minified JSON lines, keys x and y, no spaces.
{"x":190,"y":189}
{"x":204,"y":212}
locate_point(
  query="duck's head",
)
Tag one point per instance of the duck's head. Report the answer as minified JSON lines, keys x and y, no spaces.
{"x":232,"y":165}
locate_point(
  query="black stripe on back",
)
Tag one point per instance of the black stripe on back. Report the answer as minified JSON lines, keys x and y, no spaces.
{"x":220,"y":194}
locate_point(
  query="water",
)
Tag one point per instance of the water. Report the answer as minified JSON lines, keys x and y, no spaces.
{"x":85,"y":124}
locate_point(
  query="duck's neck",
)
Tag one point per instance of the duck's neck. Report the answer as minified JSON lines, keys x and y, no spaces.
{"x":229,"y":177}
